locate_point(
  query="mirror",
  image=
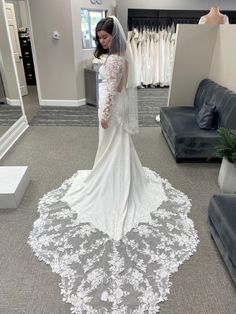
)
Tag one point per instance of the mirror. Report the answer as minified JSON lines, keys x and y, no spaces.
{"x":11,"y":87}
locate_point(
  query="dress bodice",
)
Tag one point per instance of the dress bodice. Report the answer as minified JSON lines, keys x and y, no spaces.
{"x":111,"y":72}
{"x":102,"y":72}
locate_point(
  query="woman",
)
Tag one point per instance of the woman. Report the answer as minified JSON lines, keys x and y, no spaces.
{"x":117,"y":182}
{"x":117,"y":232}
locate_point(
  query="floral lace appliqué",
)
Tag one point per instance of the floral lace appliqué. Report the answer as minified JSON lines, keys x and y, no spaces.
{"x":114,"y":70}
{"x":103,"y":276}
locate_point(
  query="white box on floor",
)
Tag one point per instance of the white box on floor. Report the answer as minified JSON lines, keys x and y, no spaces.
{"x":13,"y":183}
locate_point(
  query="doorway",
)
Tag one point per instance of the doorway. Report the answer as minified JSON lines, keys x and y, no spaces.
{"x":19,"y":26}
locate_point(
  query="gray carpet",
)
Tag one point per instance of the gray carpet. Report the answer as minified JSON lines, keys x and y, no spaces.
{"x":31,"y":102}
{"x":3,"y":129}
{"x":201,"y":286}
{"x":149,"y":101}
{"x":9,"y":114}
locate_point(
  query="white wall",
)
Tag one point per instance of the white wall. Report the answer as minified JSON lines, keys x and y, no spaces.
{"x":55,"y":58}
{"x":194,"y":51}
{"x":84,"y":57}
{"x":22,"y":8}
{"x":61,"y":62}
{"x":223,"y":66}
{"x":123,"y":5}
{"x":202,"y":51}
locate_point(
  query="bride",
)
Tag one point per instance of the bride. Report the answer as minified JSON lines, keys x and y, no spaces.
{"x":114,"y":233}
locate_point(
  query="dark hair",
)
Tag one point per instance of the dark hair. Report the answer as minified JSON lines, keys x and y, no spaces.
{"x":117,"y":44}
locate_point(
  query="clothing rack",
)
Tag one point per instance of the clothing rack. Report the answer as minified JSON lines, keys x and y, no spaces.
{"x":139,"y":18}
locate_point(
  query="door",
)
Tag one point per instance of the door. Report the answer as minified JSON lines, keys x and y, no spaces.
{"x":11,"y":18}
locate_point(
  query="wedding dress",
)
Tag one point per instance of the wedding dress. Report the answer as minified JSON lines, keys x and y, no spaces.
{"x":114,"y":233}
{"x":117,"y":185}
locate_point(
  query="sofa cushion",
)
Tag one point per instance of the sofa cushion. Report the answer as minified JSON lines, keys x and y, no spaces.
{"x":206,"y":117}
{"x":222,"y":214}
{"x":223,"y":98}
{"x":184,"y":135}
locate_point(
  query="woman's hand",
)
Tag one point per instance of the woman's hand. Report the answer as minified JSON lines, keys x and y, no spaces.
{"x":104,"y":124}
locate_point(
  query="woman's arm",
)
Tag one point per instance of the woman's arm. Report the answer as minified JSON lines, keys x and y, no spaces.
{"x":115,"y":70}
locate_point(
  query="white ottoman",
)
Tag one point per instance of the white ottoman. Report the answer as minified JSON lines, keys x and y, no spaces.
{"x":13,"y":183}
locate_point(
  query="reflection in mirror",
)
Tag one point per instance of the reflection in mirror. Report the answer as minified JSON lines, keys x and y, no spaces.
{"x":11,"y":107}
{"x":18,"y":23}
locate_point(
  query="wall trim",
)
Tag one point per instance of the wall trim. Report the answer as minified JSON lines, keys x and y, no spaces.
{"x":63,"y":103}
{"x":11,"y":135}
{"x":13,"y":102}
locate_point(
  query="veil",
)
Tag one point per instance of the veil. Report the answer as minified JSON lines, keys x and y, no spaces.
{"x":120,"y":46}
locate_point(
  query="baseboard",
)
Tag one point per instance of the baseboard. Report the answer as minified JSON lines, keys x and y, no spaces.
{"x":11,"y":136}
{"x":62,"y":103}
{"x":13,"y":102}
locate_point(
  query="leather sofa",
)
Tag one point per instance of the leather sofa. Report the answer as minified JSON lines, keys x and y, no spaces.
{"x":186,"y":140}
{"x":222,"y":225}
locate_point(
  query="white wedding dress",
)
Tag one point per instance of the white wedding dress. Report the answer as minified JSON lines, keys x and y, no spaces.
{"x":114,"y":233}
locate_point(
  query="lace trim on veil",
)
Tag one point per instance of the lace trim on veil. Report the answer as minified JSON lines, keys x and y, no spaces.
{"x":100,"y":275}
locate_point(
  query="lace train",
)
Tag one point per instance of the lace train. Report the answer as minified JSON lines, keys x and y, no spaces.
{"x":101,"y":275}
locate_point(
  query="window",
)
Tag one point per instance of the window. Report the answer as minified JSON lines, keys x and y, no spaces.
{"x":89,"y":20}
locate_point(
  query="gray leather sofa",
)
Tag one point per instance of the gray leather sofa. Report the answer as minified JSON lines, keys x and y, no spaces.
{"x":187,"y":141}
{"x":222,"y":225}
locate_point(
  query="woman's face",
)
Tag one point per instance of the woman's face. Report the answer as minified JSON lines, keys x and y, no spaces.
{"x":104,"y":39}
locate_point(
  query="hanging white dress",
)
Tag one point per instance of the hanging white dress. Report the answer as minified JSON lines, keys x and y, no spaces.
{"x":129,"y":38}
{"x":139,"y":43}
{"x":134,"y":48}
{"x":150,"y":58}
{"x":162,"y":57}
{"x":114,"y":233}
{"x":168,"y":59}
{"x":172,"y":52}
{"x":145,"y":56}
{"x":156,"y":64}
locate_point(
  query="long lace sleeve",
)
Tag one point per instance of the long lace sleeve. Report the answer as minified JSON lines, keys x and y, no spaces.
{"x":115,"y":70}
